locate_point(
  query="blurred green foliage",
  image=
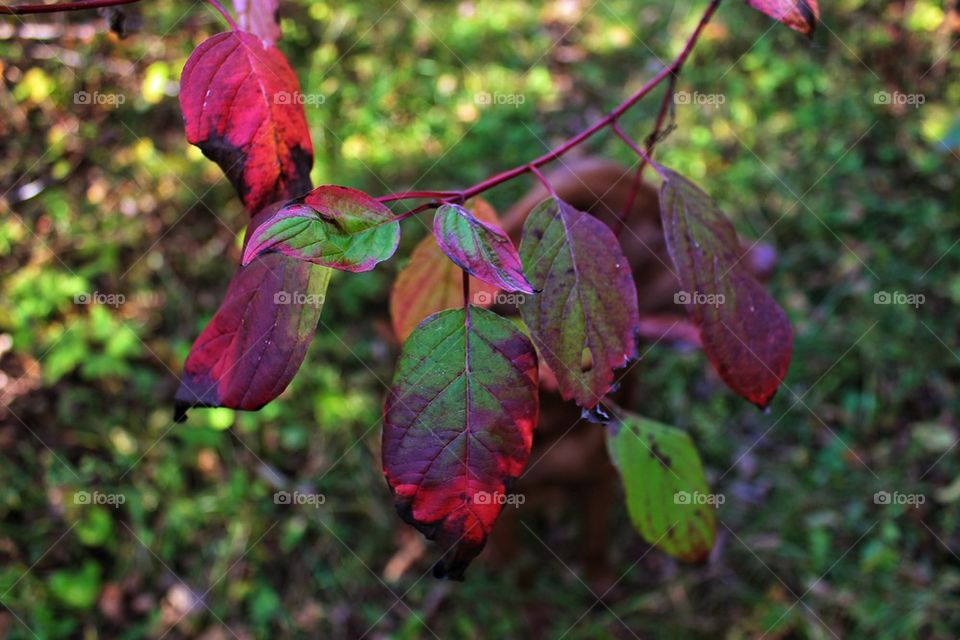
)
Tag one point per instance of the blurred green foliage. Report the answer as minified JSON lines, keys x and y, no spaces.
{"x":102,"y":197}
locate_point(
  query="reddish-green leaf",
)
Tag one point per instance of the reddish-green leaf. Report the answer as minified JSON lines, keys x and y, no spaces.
{"x":458,"y":427}
{"x":745,"y":334}
{"x":799,"y":15}
{"x":431,"y":282}
{"x":256,"y":341}
{"x":666,"y":489}
{"x":259,"y":17}
{"x":480,"y":248}
{"x":332,"y":226}
{"x":235,"y":93}
{"x":584,"y":321}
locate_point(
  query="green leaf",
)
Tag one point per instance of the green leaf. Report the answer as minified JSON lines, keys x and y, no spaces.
{"x":667,"y":495}
{"x":331,"y":226}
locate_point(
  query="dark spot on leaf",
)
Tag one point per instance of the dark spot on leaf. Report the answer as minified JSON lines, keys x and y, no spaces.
{"x":229,"y":157}
{"x":331,"y":220}
{"x":299,"y":183}
{"x":657,"y":453}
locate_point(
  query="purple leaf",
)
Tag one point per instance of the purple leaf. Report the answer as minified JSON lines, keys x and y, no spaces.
{"x":480,"y":248}
{"x":745,"y":333}
{"x":585,"y":319}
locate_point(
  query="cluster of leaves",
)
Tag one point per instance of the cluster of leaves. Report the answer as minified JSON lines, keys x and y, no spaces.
{"x":460,"y":416}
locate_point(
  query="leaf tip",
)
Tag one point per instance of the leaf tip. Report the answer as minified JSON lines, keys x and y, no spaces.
{"x":762,"y":400}
{"x":180,"y":411}
{"x":251,"y":252}
{"x":443,"y":570}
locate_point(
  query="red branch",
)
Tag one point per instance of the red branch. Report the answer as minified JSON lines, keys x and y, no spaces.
{"x":652,"y":140}
{"x":670,"y":71}
{"x":24,"y":9}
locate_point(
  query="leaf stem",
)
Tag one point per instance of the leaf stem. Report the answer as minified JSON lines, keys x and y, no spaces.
{"x":466,"y":295}
{"x":80,"y":5}
{"x":637,"y":149}
{"x":543,"y":180}
{"x":226,"y":15}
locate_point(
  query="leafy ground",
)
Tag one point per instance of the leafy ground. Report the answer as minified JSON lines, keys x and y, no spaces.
{"x":103,"y":195}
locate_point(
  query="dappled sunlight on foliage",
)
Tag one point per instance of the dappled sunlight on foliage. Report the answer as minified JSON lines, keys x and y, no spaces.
{"x":835,"y":512}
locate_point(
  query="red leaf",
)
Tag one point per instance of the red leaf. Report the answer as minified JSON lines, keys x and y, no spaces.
{"x":431,"y":282}
{"x":458,"y":428}
{"x":239,"y":104}
{"x":745,"y":334}
{"x":585,"y":319}
{"x":480,"y":248}
{"x":259,"y":17}
{"x":256,"y":341}
{"x":799,"y":15}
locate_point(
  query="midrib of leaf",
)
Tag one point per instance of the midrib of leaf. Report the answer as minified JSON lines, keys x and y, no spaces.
{"x":277,"y":143}
{"x":220,"y":66}
{"x":467,"y":325}
{"x":587,"y":324}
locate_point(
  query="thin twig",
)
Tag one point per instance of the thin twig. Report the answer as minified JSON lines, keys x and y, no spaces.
{"x":80,"y":5}
{"x":644,"y":156}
